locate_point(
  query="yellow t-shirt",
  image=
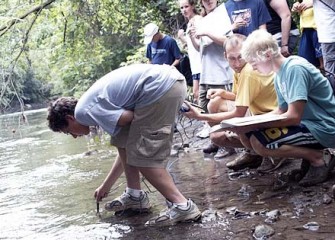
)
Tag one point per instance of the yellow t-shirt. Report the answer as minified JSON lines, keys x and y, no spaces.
{"x":255,"y":90}
{"x":307,"y":19}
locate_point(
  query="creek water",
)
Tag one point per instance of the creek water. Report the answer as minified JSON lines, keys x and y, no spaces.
{"x":47,"y":182}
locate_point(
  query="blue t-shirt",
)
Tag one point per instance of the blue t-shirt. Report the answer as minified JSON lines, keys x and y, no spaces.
{"x":298,"y":79}
{"x":254,"y":12}
{"x":165,"y":51}
{"x":126,"y":88}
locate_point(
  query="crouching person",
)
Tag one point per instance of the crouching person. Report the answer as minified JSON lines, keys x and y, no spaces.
{"x":305,"y":98}
{"x":137,"y":105}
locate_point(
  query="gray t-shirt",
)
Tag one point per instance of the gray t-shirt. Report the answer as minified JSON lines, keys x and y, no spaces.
{"x":123,"y":89}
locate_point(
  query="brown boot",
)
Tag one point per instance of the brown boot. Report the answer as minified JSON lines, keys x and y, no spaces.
{"x":245,"y":160}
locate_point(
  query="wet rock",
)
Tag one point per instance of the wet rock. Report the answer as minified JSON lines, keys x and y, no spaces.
{"x":238,"y":175}
{"x":281,"y":181}
{"x":231,"y":210}
{"x":313,"y":226}
{"x":209,"y":215}
{"x":263,"y":231}
{"x":333,"y":191}
{"x":326,"y":199}
{"x":245,"y":191}
{"x":272,"y":216}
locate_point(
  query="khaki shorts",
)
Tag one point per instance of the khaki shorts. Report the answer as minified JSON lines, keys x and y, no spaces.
{"x":148,"y":139}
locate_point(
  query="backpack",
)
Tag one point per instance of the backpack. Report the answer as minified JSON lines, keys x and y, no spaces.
{"x":184,"y":68}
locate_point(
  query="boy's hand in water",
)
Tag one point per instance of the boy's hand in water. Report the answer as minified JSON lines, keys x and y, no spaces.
{"x":100,"y":193}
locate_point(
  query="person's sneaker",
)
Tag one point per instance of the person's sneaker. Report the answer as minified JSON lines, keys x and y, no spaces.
{"x":127,"y":201}
{"x":245,"y":160}
{"x":314,"y":176}
{"x":174,"y":214}
{"x":224,"y":152}
{"x":270,"y":164}
{"x":204,"y":133}
{"x":211,"y":148}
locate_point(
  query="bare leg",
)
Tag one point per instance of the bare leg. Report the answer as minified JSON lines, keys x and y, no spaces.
{"x":196,"y":91}
{"x":163,"y":182}
{"x":217,"y":104}
{"x":222,"y":139}
{"x":313,"y":156}
{"x":132,"y":173}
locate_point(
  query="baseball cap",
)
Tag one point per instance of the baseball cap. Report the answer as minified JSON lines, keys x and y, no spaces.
{"x":149,"y":31}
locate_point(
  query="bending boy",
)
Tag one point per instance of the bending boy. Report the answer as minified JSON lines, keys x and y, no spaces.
{"x":137,"y":105}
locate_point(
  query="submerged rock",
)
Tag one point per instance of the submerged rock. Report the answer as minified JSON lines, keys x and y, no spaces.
{"x":263,"y":231}
{"x":313,"y":226}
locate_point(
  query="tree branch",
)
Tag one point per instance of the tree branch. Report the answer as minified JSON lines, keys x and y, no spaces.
{"x":33,"y":10}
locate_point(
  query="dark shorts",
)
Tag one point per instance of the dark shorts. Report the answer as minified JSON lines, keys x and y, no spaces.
{"x":196,"y":76}
{"x":309,"y":47}
{"x":273,"y":138}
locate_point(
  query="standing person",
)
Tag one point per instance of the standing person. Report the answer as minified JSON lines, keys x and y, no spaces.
{"x":161,"y":48}
{"x":188,"y":9}
{"x":306,"y":100}
{"x":309,"y":47}
{"x":137,"y":105}
{"x":208,"y":37}
{"x":325,"y":21}
{"x":282,"y":26}
{"x":247,"y":15}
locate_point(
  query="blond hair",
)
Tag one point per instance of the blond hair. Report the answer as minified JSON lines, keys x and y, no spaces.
{"x":258,"y":44}
{"x":234,"y":41}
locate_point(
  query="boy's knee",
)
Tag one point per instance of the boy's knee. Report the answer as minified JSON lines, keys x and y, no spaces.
{"x":258,"y":147}
{"x":218,"y":138}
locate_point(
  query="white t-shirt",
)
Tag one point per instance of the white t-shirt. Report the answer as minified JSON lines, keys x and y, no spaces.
{"x":325,"y":20}
{"x":193,"y":54}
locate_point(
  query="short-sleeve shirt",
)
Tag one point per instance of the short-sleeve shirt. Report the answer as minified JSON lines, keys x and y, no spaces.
{"x":297,"y":80}
{"x":255,"y":90}
{"x":165,"y":51}
{"x":215,"y":69}
{"x":254,"y":12}
{"x":126,"y":88}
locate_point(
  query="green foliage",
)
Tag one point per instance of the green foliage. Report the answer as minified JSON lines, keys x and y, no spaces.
{"x":65,"y":47}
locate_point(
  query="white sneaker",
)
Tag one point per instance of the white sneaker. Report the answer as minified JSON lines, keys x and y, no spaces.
{"x":204,"y":133}
{"x":224,"y":152}
{"x":127,"y":201}
{"x":175,"y":214}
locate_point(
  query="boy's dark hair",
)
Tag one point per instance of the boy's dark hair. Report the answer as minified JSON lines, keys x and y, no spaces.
{"x":58,"y":110}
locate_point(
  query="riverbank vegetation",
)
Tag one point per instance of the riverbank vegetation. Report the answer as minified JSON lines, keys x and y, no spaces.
{"x":60,"y":47}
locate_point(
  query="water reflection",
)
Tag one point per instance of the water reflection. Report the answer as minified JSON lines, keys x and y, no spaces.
{"x":47,"y":182}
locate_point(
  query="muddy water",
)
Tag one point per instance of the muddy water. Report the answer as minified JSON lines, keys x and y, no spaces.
{"x":47,"y":182}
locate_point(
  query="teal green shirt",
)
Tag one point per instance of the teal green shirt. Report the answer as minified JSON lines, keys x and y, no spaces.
{"x":297,"y":80}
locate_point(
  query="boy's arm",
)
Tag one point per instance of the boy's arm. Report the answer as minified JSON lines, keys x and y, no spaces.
{"x":216,"y":118}
{"x":125,"y":118}
{"x":113,"y":175}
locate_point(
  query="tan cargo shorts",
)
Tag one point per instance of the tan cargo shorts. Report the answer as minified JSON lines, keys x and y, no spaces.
{"x":148,"y":139}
